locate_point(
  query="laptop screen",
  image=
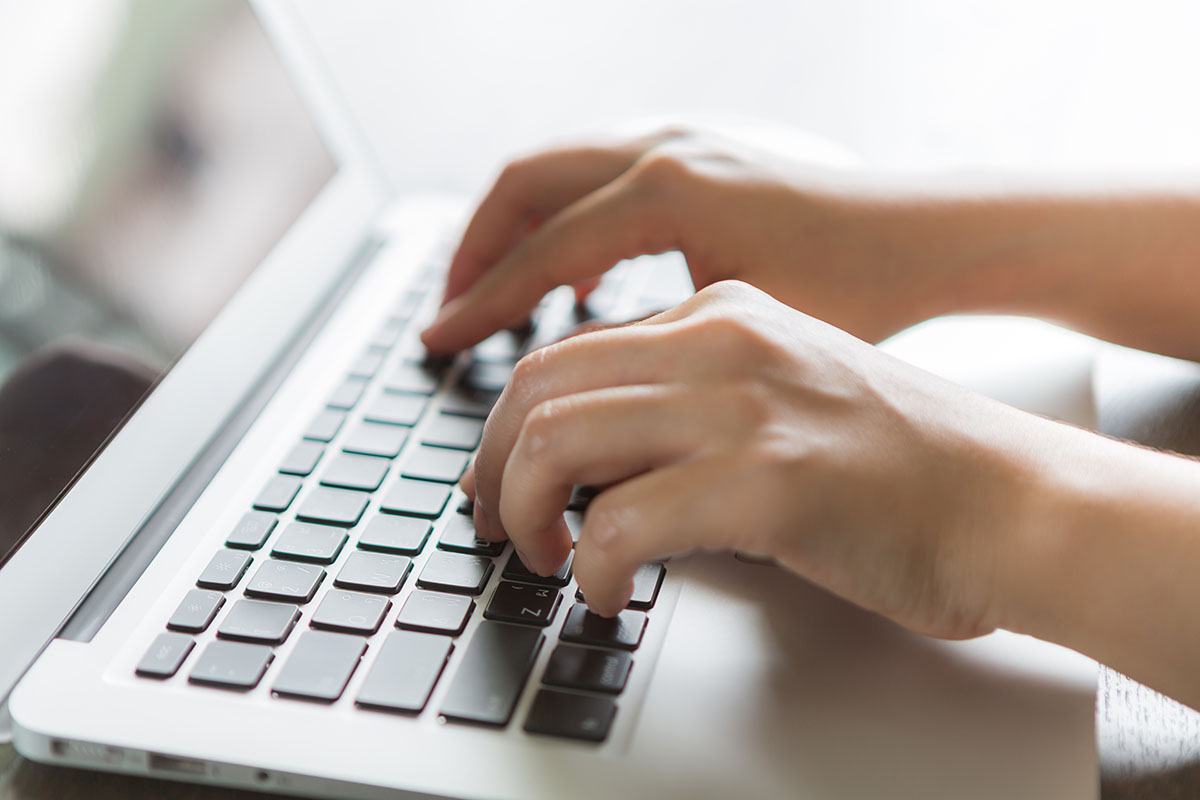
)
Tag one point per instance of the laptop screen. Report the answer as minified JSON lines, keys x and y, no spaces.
{"x":150,"y":156}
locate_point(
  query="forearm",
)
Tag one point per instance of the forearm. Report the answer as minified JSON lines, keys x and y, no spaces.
{"x":1103,"y":557}
{"x":1123,"y":268}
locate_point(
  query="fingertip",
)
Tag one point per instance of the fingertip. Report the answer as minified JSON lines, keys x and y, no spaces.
{"x":611,"y":605}
{"x":485,"y":526}
{"x":439,"y":335}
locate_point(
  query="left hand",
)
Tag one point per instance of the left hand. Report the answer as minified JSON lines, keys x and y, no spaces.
{"x":734,"y":421}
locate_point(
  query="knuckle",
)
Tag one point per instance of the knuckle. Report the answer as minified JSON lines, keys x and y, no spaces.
{"x":606,"y":526}
{"x":673,"y":131}
{"x":527,"y":374}
{"x":542,"y":429}
{"x":729,"y":290}
{"x":661,"y":171}
{"x":734,"y":336}
{"x":748,"y":402}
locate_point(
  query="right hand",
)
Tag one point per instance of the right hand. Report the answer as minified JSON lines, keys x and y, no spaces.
{"x":566,"y":216}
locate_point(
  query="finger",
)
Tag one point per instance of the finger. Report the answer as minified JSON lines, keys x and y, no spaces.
{"x":657,"y":515}
{"x":531,"y":190}
{"x":620,"y":357}
{"x":467,"y":481}
{"x":617,"y":221}
{"x":595,"y":438}
{"x":584,"y":289}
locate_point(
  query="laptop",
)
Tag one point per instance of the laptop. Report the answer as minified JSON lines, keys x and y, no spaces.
{"x":258,"y":571}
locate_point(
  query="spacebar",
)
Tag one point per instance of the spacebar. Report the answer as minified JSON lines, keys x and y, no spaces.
{"x":493,"y":671}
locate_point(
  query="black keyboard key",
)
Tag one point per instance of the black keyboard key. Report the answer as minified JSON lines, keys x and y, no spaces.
{"x":435,"y":612}
{"x":367,"y":364}
{"x":411,"y":379}
{"x":456,"y":573}
{"x":646,"y":583}
{"x":224,"y":570}
{"x":459,"y":537}
{"x":373,"y":572}
{"x":320,"y":666}
{"x":278,"y":494}
{"x":196,"y":611}
{"x":391,"y":534}
{"x":416,"y":498}
{"x":623,"y":631}
{"x":325,"y":425}
{"x":523,"y":603}
{"x":492,"y":673}
{"x":232,"y":665}
{"x":167,"y":653}
{"x":483,"y":376}
{"x":570,"y":716}
{"x":457,"y":433}
{"x":302,"y":458}
{"x":252,"y":530}
{"x":435,"y":464}
{"x":348,"y":471}
{"x":581,"y":497}
{"x":259,"y":621}
{"x":347,"y":395}
{"x":351,"y":612}
{"x":588,"y":669}
{"x":467,"y":403}
{"x":286,"y":581}
{"x":374,"y":439}
{"x":334,"y":506}
{"x":304,"y":541}
{"x":405,"y":672}
{"x":515,"y":570}
{"x":396,"y":409}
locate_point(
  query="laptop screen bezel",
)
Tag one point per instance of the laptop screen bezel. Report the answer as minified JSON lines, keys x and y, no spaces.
{"x":79,"y":538}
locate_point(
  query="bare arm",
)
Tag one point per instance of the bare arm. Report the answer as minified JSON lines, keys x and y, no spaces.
{"x":735,"y":421}
{"x":1124,"y":267}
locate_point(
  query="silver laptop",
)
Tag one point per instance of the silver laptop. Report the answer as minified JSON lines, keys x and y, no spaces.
{"x":233,"y":551}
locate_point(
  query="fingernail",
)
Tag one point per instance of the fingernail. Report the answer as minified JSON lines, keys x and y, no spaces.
{"x":433,"y":331}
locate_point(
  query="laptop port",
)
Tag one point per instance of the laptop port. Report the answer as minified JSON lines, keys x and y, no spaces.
{"x":175,"y":765}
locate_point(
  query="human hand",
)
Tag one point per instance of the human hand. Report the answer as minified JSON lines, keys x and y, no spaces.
{"x":733,"y":421}
{"x":566,"y":216}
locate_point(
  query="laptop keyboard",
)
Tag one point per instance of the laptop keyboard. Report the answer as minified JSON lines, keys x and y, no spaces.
{"x":339,"y":553}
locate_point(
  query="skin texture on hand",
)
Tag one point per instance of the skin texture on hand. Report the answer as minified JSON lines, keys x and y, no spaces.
{"x":736,"y":422}
{"x":564,"y":217}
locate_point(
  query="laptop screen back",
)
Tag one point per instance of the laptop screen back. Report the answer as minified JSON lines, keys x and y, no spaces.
{"x":151,"y":155}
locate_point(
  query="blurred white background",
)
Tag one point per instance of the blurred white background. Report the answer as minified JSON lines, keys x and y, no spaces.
{"x":447,"y":89}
